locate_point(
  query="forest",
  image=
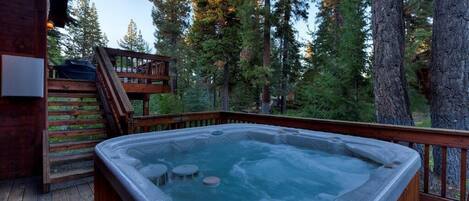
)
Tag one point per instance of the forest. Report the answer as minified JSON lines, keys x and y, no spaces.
{"x":243,"y":55}
{"x":401,"y":62}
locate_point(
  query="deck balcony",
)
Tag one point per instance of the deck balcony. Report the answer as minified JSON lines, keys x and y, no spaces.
{"x":433,"y":185}
{"x":124,"y":75}
{"x":140,"y":73}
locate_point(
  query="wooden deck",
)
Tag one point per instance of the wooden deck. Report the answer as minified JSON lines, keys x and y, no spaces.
{"x":28,"y":189}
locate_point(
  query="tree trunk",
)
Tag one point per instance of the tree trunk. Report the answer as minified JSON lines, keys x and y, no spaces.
{"x":173,"y":72}
{"x":173,"y":67}
{"x":390,"y":91}
{"x":265,"y":108}
{"x":226,"y":88}
{"x":449,"y":76}
{"x":214,"y":98}
{"x":285,"y":63}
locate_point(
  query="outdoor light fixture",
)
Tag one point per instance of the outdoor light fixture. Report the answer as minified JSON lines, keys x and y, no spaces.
{"x":50,"y":25}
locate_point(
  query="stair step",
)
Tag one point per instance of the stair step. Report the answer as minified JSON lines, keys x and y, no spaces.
{"x":72,"y":95}
{"x":76,"y":122}
{"x":78,"y":132}
{"x":70,"y":158}
{"x":74,"y":112}
{"x":64,"y":146}
{"x":66,"y":85}
{"x":70,"y":152}
{"x":70,"y":175}
{"x":72,"y":103}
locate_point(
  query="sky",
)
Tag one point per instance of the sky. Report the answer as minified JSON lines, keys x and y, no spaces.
{"x":115,"y":15}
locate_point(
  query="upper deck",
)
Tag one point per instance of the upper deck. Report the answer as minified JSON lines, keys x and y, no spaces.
{"x":140,"y":73}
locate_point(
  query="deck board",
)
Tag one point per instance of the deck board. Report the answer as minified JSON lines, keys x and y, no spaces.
{"x":44,"y":197}
{"x":60,"y":195}
{"x":5,"y":188}
{"x":73,"y":194}
{"x":18,"y":189}
{"x":31,"y":192}
{"x":92,"y":187}
{"x":28,"y":189}
{"x":85,"y":192}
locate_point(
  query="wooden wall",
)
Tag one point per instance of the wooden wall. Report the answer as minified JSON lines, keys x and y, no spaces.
{"x":22,"y":120}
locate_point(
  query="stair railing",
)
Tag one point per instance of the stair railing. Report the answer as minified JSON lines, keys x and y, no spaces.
{"x":115,"y":102}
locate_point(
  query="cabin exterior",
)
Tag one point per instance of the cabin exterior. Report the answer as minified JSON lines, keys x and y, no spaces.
{"x":22,"y":119}
{"x":26,"y":149}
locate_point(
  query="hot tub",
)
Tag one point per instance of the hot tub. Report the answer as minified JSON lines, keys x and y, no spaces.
{"x":254,"y":162}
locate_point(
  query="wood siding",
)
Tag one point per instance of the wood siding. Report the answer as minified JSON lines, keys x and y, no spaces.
{"x":22,"y":32}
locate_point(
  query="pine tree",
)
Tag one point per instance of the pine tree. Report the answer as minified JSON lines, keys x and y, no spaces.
{"x":337,"y":84}
{"x":215,"y":44}
{"x":266,"y":107}
{"x":253,"y":74}
{"x":54,"y":51}
{"x":133,"y":40}
{"x":285,"y":11}
{"x":171,"y":19}
{"x":417,"y":53}
{"x":449,"y":67}
{"x":390,"y":86}
{"x":85,"y":33}
{"x":250,"y":40}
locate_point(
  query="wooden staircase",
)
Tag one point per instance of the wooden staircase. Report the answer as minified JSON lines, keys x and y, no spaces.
{"x":83,"y":113}
{"x":75,"y":125}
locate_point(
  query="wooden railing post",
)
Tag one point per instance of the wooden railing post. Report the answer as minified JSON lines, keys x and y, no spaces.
{"x":45,"y":162}
{"x":462,"y":179}
{"x":223,"y":118}
{"x":426,"y":171}
{"x":443,"y":171}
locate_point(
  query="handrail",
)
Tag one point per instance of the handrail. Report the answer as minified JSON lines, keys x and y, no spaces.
{"x":434,"y":136}
{"x":422,"y":139}
{"x":139,"y":68}
{"x":116,"y":103}
{"x":118,"y":52}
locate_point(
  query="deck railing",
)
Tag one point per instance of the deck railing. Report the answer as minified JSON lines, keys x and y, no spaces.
{"x":425,"y":138}
{"x":169,"y":122}
{"x":116,"y":104}
{"x":140,"y":71}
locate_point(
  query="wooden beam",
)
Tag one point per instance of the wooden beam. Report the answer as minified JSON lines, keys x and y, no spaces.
{"x":430,"y":197}
{"x":74,"y":112}
{"x":73,"y":95}
{"x":72,"y":145}
{"x":143,"y":76}
{"x":146,"y":88}
{"x":76,"y":122}
{"x":144,"y":121}
{"x":71,"y":85}
{"x":441,"y":137}
{"x":72,"y":103}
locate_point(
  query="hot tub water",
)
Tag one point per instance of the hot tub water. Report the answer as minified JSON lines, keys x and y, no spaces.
{"x":253,"y":170}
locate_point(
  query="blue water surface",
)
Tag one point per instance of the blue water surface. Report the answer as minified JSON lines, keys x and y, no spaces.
{"x":257,"y":171}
